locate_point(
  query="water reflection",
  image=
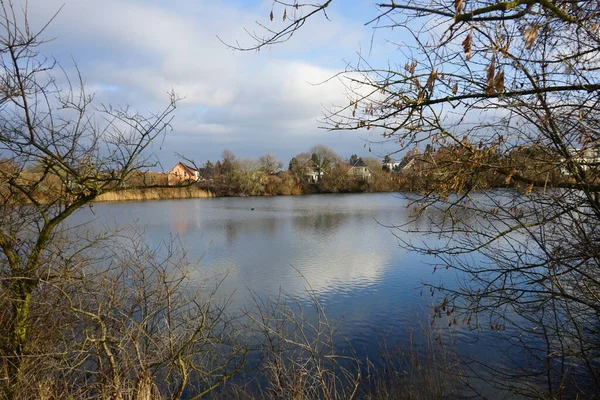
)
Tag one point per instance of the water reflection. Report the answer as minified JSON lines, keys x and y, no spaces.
{"x":231,"y":232}
{"x":320,"y":224}
{"x":334,"y":245}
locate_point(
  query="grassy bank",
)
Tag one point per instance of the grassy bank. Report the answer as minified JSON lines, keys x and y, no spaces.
{"x":161,"y":193}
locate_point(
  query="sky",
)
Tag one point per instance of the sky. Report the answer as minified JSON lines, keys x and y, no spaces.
{"x":133,"y":52}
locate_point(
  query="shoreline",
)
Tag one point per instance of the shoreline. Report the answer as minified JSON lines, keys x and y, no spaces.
{"x":194,"y":192}
{"x":189,"y":192}
{"x":162,"y":193}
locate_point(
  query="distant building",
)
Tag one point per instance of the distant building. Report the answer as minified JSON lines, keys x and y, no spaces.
{"x":182,"y":173}
{"x":586,"y":158}
{"x":391,"y":166}
{"x":406,"y":164}
{"x":314,"y":176}
{"x":360,"y":170}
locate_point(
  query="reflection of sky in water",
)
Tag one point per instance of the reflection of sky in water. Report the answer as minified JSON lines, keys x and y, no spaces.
{"x":333,"y":243}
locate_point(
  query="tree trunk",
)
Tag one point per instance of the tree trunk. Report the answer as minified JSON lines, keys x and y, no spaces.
{"x":18,"y":337}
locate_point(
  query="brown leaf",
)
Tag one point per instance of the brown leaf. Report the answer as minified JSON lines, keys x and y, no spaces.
{"x":455,"y":88}
{"x":410,"y":67}
{"x":285,"y":14}
{"x":467,"y":43}
{"x":491,"y":70}
{"x":491,"y":75}
{"x":499,"y":82}
{"x":271,"y":15}
{"x":431,"y":80}
{"x":530,"y":34}
{"x":459,"y":5}
{"x":509,"y":177}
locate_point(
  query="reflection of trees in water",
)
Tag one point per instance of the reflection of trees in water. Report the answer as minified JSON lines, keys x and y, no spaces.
{"x":231,"y":231}
{"x":322,"y":224}
{"x":363,"y":217}
{"x":268,"y":227}
{"x":330,"y":222}
{"x":271,"y":226}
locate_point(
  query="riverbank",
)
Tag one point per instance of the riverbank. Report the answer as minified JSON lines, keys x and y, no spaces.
{"x":156,"y":193}
{"x":190,"y":192}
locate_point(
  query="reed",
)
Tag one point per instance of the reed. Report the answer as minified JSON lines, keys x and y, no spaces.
{"x":160,"y":193}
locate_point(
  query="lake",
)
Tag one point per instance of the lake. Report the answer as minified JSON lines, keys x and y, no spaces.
{"x":339,"y":247}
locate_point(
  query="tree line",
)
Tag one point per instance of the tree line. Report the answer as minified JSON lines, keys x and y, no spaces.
{"x":322,"y":170}
{"x":319,"y":170}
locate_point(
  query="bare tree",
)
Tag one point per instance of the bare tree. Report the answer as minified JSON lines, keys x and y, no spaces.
{"x":323,"y":152}
{"x":227,"y":156}
{"x":504,"y":91}
{"x":323,"y":158}
{"x":269,"y":163}
{"x":79,"y":153}
{"x":248,"y":178}
{"x":119,"y":319}
{"x":228,"y":165}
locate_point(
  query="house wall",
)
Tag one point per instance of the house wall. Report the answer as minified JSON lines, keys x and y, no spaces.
{"x":178,"y":175}
{"x":314,"y":176}
{"x":587,"y":159}
{"x":361,"y":172}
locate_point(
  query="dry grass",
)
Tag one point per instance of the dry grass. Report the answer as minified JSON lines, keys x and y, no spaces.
{"x":162,"y":193}
{"x":299,"y":358}
{"x":424,"y":368}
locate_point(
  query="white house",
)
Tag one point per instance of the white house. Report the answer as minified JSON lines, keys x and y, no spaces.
{"x":314,"y":176}
{"x":391,"y":166}
{"x":586,"y":158}
{"x":360,"y":170}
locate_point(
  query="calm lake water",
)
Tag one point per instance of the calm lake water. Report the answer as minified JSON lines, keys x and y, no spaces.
{"x":339,"y":246}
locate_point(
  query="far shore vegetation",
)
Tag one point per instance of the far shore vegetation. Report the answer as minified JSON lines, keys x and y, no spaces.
{"x":320,"y":170}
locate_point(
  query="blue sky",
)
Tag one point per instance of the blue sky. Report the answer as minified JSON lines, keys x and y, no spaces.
{"x":133,"y":52}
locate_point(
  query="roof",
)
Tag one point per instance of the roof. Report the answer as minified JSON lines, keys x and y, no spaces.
{"x":358,"y":163}
{"x":190,"y":170}
{"x":405,"y":162}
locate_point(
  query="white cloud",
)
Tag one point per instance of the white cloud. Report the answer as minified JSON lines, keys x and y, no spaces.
{"x":213,"y":128}
{"x":134,"y":52}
